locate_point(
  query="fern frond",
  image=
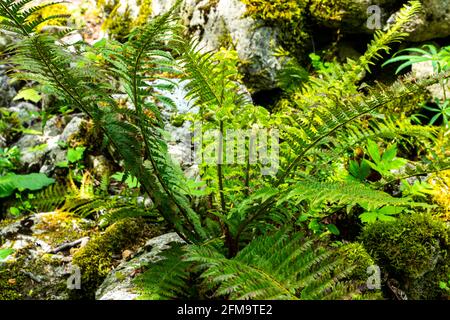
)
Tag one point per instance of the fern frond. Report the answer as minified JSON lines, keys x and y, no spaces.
{"x":39,"y":57}
{"x":395,"y":33}
{"x":167,"y":278}
{"x":279,"y":266}
{"x":342,"y":193}
{"x":51,"y":198}
{"x":312,"y":129}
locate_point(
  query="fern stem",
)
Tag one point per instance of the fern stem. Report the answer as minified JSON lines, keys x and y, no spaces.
{"x":219,"y":169}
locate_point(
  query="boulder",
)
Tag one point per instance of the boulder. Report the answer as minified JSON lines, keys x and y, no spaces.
{"x":54,"y":153}
{"x":432,"y":23}
{"x":35,"y":147}
{"x":354,"y":16}
{"x":43,"y":152}
{"x":27,"y":112}
{"x":214,"y":22}
{"x":119,"y":284}
{"x":7,"y":90}
{"x":350,"y":15}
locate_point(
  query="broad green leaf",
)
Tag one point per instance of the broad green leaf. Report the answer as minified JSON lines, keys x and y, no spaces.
{"x":14,"y":211}
{"x":333,"y":229}
{"x":32,"y":181}
{"x":390,"y":210}
{"x":75,"y":155}
{"x":62,"y":164}
{"x":359,"y":171}
{"x":28,"y":94}
{"x":374,"y":151}
{"x":390,"y":153}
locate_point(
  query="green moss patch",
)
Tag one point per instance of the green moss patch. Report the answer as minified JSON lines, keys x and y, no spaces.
{"x":414,"y":250}
{"x":97,"y":258}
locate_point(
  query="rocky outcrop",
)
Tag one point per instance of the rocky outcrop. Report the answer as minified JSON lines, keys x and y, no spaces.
{"x":119,"y":284}
{"x":42,"y":152}
{"x":353,"y":16}
{"x":432,"y":23}
{"x":215,"y":23}
{"x":40,"y":256}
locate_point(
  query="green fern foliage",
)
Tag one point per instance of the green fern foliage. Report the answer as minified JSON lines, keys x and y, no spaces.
{"x":342,"y":193}
{"x":166,"y":278}
{"x":280,"y":266}
{"x":51,"y":198}
{"x":136,"y":135}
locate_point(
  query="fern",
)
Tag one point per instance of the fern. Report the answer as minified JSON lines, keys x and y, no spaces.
{"x":51,"y":198}
{"x":325,"y":114}
{"x":167,"y":278}
{"x":342,"y":193}
{"x":280,"y":266}
{"x":137,"y":140}
{"x":85,"y":202}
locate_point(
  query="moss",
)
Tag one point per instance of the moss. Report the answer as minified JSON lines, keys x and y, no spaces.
{"x":15,"y":284}
{"x":87,"y":135}
{"x":145,"y":11}
{"x":288,"y":16}
{"x":96,"y":259}
{"x":329,"y":12}
{"x":120,"y":24}
{"x":441,"y":192}
{"x":177,"y":120}
{"x":11,"y":282}
{"x":57,"y":9}
{"x":278,"y":10}
{"x":58,"y":227}
{"x":356,"y":256}
{"x":10,"y":125}
{"x":413,"y":249}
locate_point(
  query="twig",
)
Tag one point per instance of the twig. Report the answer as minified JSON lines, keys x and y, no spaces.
{"x":67,"y":246}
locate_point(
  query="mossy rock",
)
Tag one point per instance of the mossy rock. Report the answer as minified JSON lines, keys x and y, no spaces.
{"x":97,"y":258}
{"x":11,"y":281}
{"x":414,"y":250}
{"x":121,"y":17}
{"x":355,"y":256}
{"x":39,"y":278}
{"x":57,"y":227}
{"x":288,"y":16}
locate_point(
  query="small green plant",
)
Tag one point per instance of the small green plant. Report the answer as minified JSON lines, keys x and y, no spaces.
{"x":440,"y":59}
{"x":9,"y":158}
{"x":130,"y":181}
{"x":386,"y":213}
{"x":445,"y":285}
{"x":442,"y":112}
{"x":5,"y":253}
{"x":24,"y":206}
{"x":384,"y":162}
{"x":28,"y":94}
{"x":74,"y":161}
